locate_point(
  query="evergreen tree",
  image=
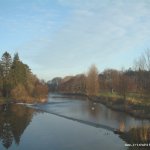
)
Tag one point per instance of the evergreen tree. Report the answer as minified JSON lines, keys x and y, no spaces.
{"x":6,"y":63}
{"x":17,"y":80}
{"x":18,"y":71}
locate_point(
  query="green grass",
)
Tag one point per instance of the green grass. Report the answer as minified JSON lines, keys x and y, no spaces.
{"x":110,"y":95}
{"x":133,"y":98}
{"x":138,"y":99}
{"x":3,"y":100}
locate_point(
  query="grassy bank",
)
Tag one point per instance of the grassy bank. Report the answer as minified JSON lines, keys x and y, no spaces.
{"x":132,"y":98}
{"x":30,"y":100}
{"x":134,"y":104}
{"x":3,"y":100}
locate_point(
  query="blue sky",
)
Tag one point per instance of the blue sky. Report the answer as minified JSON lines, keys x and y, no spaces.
{"x":64,"y":37}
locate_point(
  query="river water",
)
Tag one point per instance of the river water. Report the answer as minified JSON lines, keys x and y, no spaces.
{"x":63,"y":123}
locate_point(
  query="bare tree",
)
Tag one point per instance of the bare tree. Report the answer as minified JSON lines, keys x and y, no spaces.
{"x":146,"y":58}
{"x":143,"y":62}
{"x":111,"y":79}
{"x":123,"y":85}
{"x":92,"y":81}
{"x":142,"y":66}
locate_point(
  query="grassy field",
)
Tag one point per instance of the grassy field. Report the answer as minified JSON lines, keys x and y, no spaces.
{"x":135,"y":104}
{"x":2,"y":100}
{"x":131,"y":98}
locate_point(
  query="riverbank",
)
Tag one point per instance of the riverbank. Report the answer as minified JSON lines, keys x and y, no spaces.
{"x":4,"y":101}
{"x":135,"y":109}
{"x":138,"y":110}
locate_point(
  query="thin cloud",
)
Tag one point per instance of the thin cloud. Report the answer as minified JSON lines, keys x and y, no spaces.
{"x":78,"y":33}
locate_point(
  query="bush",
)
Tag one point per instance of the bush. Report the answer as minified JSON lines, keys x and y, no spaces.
{"x":19,"y":92}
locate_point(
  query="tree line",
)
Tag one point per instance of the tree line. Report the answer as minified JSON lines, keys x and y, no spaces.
{"x":18,"y":82}
{"x":134,"y":80}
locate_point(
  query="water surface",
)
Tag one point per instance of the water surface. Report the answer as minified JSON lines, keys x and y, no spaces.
{"x":76,"y":107}
{"x":63,"y":123}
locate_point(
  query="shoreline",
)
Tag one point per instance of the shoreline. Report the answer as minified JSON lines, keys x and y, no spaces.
{"x":117,"y":105}
{"x":137,"y":111}
{"x":130,"y":109}
{"x":10,"y":100}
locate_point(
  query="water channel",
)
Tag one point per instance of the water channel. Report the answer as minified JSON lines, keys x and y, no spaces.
{"x":63,"y":123}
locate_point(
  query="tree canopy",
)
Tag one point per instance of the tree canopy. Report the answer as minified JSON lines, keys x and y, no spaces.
{"x":18,"y":82}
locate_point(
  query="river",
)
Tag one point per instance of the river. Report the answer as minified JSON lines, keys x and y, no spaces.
{"x":63,"y":123}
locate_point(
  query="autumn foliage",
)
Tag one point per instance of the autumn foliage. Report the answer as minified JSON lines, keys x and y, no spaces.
{"x":18,"y":82}
{"x":92,"y":81}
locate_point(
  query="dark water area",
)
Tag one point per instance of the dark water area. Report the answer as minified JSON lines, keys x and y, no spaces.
{"x":63,"y":123}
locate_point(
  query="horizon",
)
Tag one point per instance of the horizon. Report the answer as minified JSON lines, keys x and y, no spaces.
{"x":60,"y":38}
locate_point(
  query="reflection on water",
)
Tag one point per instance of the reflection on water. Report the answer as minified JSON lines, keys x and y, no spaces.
{"x":78,"y":108}
{"x":139,"y":137}
{"x":92,"y":109}
{"x":77,"y":124}
{"x":51,"y":132}
{"x":13,"y":122}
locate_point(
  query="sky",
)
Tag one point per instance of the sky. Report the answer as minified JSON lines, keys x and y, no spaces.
{"x":65,"y":37}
